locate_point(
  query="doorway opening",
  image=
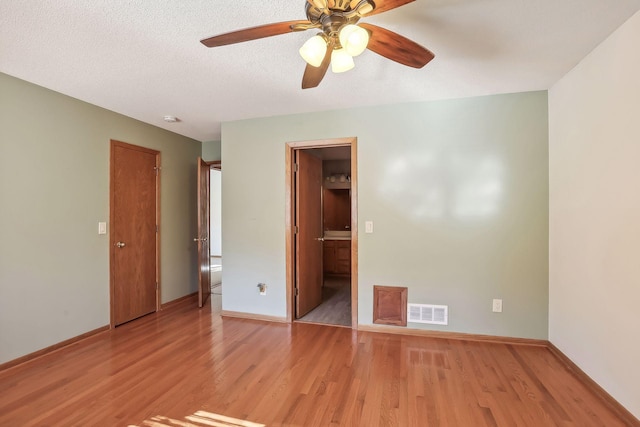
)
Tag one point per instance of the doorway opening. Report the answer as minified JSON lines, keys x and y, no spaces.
{"x":208,"y":239}
{"x":215,"y":228}
{"x":321,"y":232}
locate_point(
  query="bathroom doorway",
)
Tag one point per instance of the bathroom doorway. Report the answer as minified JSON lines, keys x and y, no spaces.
{"x":322,"y":232}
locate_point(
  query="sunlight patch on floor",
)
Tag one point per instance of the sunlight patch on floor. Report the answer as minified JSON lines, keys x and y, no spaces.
{"x":198,"y":419}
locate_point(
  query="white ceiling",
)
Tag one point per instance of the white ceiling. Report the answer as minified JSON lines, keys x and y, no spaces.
{"x":143,"y":58}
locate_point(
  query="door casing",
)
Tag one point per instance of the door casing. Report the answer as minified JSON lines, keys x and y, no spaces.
{"x":290,"y":206}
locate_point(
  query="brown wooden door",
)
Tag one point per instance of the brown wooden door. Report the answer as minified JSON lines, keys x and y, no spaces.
{"x":309,"y":236}
{"x":134,"y":260}
{"x":204,"y":260}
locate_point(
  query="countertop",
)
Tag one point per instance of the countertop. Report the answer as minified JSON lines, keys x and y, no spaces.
{"x":337,"y":235}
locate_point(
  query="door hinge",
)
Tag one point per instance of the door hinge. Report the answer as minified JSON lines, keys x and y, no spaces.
{"x":295,"y":167}
{"x":157,"y":169}
{"x":157,"y":286}
{"x":296,"y":291}
{"x":157,"y":229}
{"x":295,"y":229}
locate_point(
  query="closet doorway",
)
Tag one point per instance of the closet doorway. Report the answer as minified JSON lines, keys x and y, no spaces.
{"x":321,"y":232}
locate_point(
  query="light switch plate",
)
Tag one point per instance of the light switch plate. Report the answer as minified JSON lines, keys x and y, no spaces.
{"x":368,"y":226}
{"x":102,"y":228}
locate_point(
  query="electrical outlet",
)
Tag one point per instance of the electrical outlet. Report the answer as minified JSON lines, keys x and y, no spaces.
{"x":368,"y":226}
{"x":262,"y":288}
{"x":497,"y":306}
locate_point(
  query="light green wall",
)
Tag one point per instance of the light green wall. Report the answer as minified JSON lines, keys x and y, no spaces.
{"x":211,"y":150}
{"x":54,"y":188}
{"x":594,"y":212}
{"x":457,"y":190}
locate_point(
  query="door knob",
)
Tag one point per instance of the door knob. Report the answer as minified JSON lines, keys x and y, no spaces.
{"x":204,"y":239}
{"x":320,"y":239}
{"x":120,"y":244}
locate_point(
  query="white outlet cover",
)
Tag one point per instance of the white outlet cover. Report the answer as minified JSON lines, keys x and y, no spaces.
{"x":368,"y":227}
{"x":102,"y":228}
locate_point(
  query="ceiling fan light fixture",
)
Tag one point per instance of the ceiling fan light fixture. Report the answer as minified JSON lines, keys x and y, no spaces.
{"x":354,"y":39}
{"x":339,"y":37}
{"x":341,"y":61}
{"x":314,"y":50}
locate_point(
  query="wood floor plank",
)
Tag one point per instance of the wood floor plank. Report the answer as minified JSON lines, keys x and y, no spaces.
{"x":189,"y":367}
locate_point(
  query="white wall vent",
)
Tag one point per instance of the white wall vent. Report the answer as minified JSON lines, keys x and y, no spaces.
{"x":427,"y":313}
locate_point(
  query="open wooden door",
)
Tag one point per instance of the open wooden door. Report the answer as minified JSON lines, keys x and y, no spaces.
{"x":308,"y":212}
{"x":204,"y":278}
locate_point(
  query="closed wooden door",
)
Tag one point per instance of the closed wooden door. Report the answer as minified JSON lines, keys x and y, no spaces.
{"x":134,"y":232}
{"x":309,"y":236}
{"x":204,"y":260}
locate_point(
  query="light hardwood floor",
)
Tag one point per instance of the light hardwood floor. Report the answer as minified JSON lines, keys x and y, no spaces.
{"x":190,"y":367}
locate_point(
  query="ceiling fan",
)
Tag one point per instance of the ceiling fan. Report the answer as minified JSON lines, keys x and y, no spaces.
{"x":340,"y":37}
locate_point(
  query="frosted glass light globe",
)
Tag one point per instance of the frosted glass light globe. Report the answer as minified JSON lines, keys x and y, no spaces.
{"x":354,"y":39}
{"x":313,"y":50}
{"x":341,"y":61}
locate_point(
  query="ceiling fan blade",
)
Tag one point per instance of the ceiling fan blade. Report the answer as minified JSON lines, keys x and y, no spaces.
{"x":314,"y":75}
{"x":253,"y":33}
{"x":396,"y":47}
{"x":385,"y":5}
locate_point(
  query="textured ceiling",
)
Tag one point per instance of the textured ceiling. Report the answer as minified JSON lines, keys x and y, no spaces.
{"x":143,"y":58}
